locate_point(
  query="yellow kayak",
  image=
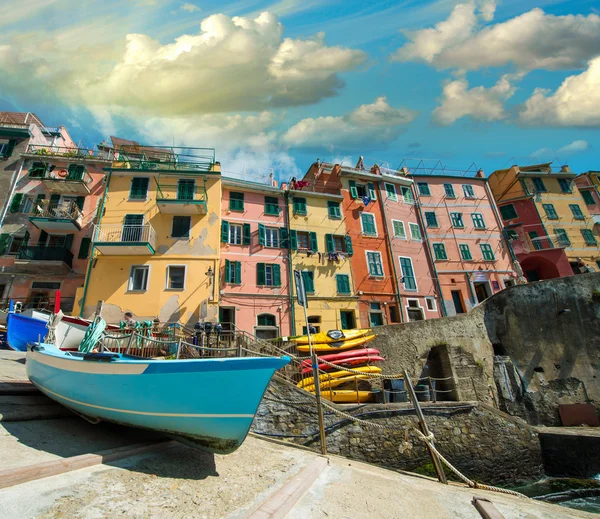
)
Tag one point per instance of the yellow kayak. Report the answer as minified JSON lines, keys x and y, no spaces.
{"x":335,"y":382}
{"x":337,"y":346}
{"x":309,"y":381}
{"x":330,"y":336}
{"x":348,"y":396}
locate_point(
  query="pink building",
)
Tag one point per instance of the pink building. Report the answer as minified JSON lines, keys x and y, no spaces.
{"x":254,"y":290}
{"x":463,"y":233}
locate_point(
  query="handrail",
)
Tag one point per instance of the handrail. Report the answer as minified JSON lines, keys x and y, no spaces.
{"x":118,"y":233}
{"x":43,"y":150}
{"x":62,"y":210}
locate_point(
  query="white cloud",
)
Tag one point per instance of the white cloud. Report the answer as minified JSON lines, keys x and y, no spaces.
{"x":575,"y":147}
{"x":376,"y":123}
{"x":480,"y":103}
{"x":576,"y":102}
{"x":190,"y":8}
{"x":533,"y":40}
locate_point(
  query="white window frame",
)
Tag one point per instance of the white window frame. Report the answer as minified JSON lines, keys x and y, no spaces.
{"x":408,"y":307}
{"x":405,"y":237}
{"x":411,"y":226}
{"x":482,"y":219}
{"x":445,"y":251}
{"x":404,"y":190}
{"x":233,"y":226}
{"x":380,"y":262}
{"x":465,"y":191}
{"x":390,"y":196}
{"x":167,"y":287}
{"x":431,"y":300}
{"x":275,"y":232}
{"x":412,"y":265}
{"x":130,"y":280}
{"x":269,"y":268}
{"x":374,"y":225}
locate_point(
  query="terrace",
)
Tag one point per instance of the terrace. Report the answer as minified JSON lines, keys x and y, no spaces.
{"x":73,"y":154}
{"x":164,"y":158}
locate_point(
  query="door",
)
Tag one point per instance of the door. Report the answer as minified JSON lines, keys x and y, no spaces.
{"x":185,"y":189}
{"x":481,"y":291}
{"x":227,"y":318}
{"x":457,"y":300}
{"x":133,"y":227}
{"x":347,"y":320}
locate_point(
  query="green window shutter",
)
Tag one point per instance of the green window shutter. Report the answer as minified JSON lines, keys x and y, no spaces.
{"x":333,"y":210}
{"x":42,"y":239}
{"x":224,"y":231}
{"x":283,"y":238}
{"x":139,"y":188}
{"x":353,"y":190}
{"x":236,"y":201}
{"x":238,"y":272}
{"x":271,"y":205}
{"x":227,"y":271}
{"x":300,"y":205}
{"x":293,"y":240}
{"x":79,"y":202}
{"x":408,"y":274}
{"x":4,"y":237}
{"x":329,"y":242}
{"x":343,"y":283}
{"x":84,"y":248}
{"x":349,"y":248}
{"x":260,"y":274}
{"x":465,"y":252}
{"x":372,"y":192}
{"x":247,"y":234}
{"x":75,"y":172}
{"x":588,"y":198}
{"x":54,"y":200}
{"x":37,"y":169}
{"x":276,"y":275}
{"x":309,"y":282}
{"x":313,"y":242}
{"x":261,"y":234}
{"x":16,"y":202}
{"x":69,"y":241}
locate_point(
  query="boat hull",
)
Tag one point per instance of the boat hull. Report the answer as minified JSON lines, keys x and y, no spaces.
{"x":22,"y":330}
{"x":209,"y":402}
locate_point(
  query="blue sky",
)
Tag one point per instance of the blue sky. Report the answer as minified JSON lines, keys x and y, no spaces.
{"x":470,"y":82}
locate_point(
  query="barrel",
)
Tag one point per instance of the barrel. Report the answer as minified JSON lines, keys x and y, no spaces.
{"x":394,"y":390}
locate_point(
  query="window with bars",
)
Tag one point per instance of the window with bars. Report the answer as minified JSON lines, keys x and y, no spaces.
{"x":236,"y":201}
{"x":538,"y":185}
{"x":181,"y":227}
{"x":449,"y":190}
{"x":565,"y":185}
{"x":233,"y":272}
{"x":333,"y":210}
{"x":588,"y":198}
{"x":408,"y":274}
{"x":399,"y":230}
{"x":550,"y":211}
{"x":367,"y":221}
{"x":431,"y":219}
{"x":374,"y":263}
{"x":589,"y":237}
{"x":478,"y":221}
{"x":415,"y":232}
{"x":271,"y":205}
{"x":457,"y":220}
{"x":343,"y":283}
{"x":407,"y":195}
{"x":563,"y":237}
{"x":508,"y":212}
{"x":235,"y":234}
{"x":439,"y":251}
{"x":390,"y":189}
{"x":299,"y":205}
{"x":139,"y":188}
{"x":424,"y":189}
{"x":577,"y":213}
{"x":468,"y":191}
{"x":487,"y":252}
{"x":175,"y":277}
{"x":465,"y":252}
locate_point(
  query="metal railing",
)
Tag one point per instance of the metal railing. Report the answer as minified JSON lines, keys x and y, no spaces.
{"x":117,"y":233}
{"x":164,"y":158}
{"x":181,"y":192}
{"x":41,"y":253}
{"x":61,"y":175}
{"x":59,"y":210}
{"x":44,"y":150}
{"x":39,"y":301}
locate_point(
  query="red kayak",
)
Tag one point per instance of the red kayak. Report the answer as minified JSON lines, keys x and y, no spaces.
{"x":346,"y":363}
{"x":333,"y":357}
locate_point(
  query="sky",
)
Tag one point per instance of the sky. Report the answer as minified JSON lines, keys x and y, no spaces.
{"x":274,"y":85}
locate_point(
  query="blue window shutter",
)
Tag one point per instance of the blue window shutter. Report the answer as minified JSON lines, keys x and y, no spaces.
{"x":293,"y":240}
{"x":260,"y":274}
{"x":329,"y":242}
{"x":276,"y":275}
{"x":225,"y":231}
{"x":238,"y":272}
{"x":261,"y":234}
{"x":227,"y":271}
{"x":313,"y":242}
{"x":247,"y":234}
{"x":353,"y":190}
{"x":283,"y":238}
{"x":349,"y":248}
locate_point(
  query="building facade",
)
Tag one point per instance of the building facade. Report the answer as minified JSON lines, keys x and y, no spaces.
{"x":589,"y":187}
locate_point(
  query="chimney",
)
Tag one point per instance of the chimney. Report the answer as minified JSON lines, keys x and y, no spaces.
{"x":480,"y":173}
{"x":565,"y":169}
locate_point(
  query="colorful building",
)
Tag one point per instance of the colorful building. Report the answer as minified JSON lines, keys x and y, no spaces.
{"x":547,"y":220}
{"x":463,"y":233}
{"x":255,"y":281}
{"x":156,"y":247}
{"x":589,"y":187}
{"x":47,"y":230}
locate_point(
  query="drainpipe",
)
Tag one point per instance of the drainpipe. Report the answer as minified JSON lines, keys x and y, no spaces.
{"x":429,"y":251}
{"x":286,"y":197}
{"x":391,"y":253}
{"x":91,"y":260}
{"x":11,"y":192}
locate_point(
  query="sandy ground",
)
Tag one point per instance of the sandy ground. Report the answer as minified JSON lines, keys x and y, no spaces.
{"x":12,"y":366}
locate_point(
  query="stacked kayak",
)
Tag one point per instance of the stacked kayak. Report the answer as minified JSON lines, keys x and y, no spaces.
{"x":337,"y":352}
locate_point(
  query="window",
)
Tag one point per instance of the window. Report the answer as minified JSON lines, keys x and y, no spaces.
{"x":508,"y":212}
{"x":314,"y":321}
{"x":308,"y":278}
{"x":565,"y":185}
{"x":374,"y":263}
{"x":181,"y":227}
{"x":430,"y":303}
{"x":538,"y":185}
{"x":511,"y":234}
{"x":415,"y":232}
{"x":367,"y":221}
{"x":236,"y":201}
{"x":439,"y":251}
{"x":27,"y":205}
{"x":75,"y":172}
{"x":576,"y":210}
{"x":43,"y":285}
{"x":457,"y":220}
{"x":449,"y":190}
{"x":133,"y":228}
{"x":408,"y":274}
{"x":84,"y":248}
{"x":138,"y":278}
{"x":488,"y":253}
{"x":478,"y":221}
{"x":563,"y":237}
{"x":407,"y":195}
{"x":271,"y":205}
{"x":6,"y":148}
{"x":299,"y":205}
{"x":375,"y":315}
{"x":15,"y":245}
{"x":394,"y":315}
{"x":414,"y":310}
{"x":588,"y":198}
{"x":535,"y":241}
{"x":266,"y":320}
{"x":465,"y":252}
{"x":589,"y":237}
{"x":423,"y":188}
{"x":303,"y":240}
{"x":271,"y":237}
{"x":390,"y":189}
{"x":399,"y":231}
{"x":468,"y":191}
{"x":139,"y":188}
{"x":431,"y":219}
{"x":333,"y":210}
{"x":175,"y":277}
{"x":235,"y":234}
{"x":335,"y":243}
{"x":268,"y":274}
{"x":233,"y":272}
{"x":38,"y":169}
{"x":550,"y":211}
{"x":185,"y":189}
{"x":343,"y":283}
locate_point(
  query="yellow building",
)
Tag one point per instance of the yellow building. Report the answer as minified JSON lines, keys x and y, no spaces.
{"x":546,"y":209}
{"x":156,"y":247}
{"x":321,"y":249}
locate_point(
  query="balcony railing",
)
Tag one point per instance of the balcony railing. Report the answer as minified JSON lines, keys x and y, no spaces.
{"x":57,"y":210}
{"x":181,"y":192}
{"x":69,"y":152}
{"x":126,"y":234}
{"x":164,"y":158}
{"x":40,"y":253}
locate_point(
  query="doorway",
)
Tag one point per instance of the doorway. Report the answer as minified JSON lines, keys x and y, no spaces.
{"x":227,"y":318}
{"x":459,"y":308}
{"x":482,"y":291}
{"x":347,"y":320}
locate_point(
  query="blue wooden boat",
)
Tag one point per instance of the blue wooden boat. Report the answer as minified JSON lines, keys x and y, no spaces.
{"x":207,"y":402}
{"x":22,"y":330}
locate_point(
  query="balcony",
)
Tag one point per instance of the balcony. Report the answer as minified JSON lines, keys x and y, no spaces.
{"x":55,"y":217}
{"x":75,"y":180}
{"x":73,"y":154}
{"x":125,"y":240}
{"x":40,"y":259}
{"x":164,"y":158}
{"x":527,"y":245}
{"x":183,"y":197}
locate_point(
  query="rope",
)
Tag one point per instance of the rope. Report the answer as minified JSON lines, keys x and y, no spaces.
{"x":371,"y":375}
{"x":364,"y":422}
